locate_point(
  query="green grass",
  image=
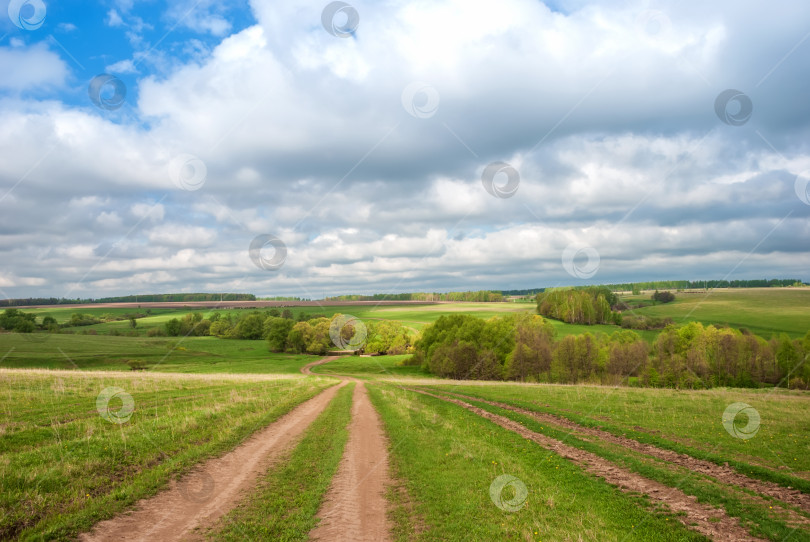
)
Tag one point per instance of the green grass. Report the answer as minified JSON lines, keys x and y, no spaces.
{"x":686,"y":421}
{"x":371,"y":367}
{"x":758,"y":514}
{"x":65,"y":466}
{"x":449,"y":458}
{"x":284,"y":504}
{"x":764,"y":311}
{"x":177,"y":354}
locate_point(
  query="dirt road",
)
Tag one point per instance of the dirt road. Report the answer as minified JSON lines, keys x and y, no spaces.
{"x":214,"y":487}
{"x":355,"y":505}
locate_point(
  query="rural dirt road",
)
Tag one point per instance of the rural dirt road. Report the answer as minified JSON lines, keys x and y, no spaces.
{"x":214,"y":487}
{"x":355,"y":505}
{"x":354,"y":509}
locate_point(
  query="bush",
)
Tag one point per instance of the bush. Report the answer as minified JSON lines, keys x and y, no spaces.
{"x":663,"y":297}
{"x":156,"y":332}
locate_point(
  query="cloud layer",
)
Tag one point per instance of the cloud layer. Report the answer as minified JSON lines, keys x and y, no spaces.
{"x":365,"y":154}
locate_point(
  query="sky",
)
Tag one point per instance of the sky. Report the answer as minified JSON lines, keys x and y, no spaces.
{"x":324,"y":148}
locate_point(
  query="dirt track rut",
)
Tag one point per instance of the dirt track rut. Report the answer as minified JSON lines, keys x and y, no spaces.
{"x":204,"y":495}
{"x":707,"y":520}
{"x":355,"y":506}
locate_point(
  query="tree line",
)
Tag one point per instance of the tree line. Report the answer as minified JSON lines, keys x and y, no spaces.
{"x":306,"y":334}
{"x":485,"y":296}
{"x":636,"y":287}
{"x":148,"y":298}
{"x":525,"y":347}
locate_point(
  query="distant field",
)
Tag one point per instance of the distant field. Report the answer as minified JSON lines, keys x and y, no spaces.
{"x":177,"y":354}
{"x":764,"y":311}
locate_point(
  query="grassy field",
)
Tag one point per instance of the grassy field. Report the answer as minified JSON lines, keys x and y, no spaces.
{"x":764,"y":311}
{"x":689,"y":420}
{"x":68,"y":463}
{"x":191,"y":354}
{"x":449,"y":459}
{"x":66,"y":466}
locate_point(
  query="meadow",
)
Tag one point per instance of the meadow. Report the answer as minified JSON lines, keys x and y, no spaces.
{"x":467,"y":460}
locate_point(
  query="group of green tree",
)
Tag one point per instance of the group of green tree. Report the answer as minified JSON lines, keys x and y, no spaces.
{"x":482,"y":296}
{"x":306,"y":334}
{"x":586,"y":305}
{"x":524,"y":347}
{"x":636,"y":287}
{"x":26,"y":322}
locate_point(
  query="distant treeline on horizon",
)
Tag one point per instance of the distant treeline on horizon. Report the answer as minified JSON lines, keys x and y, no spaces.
{"x":148,"y":298}
{"x":479,"y":296}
